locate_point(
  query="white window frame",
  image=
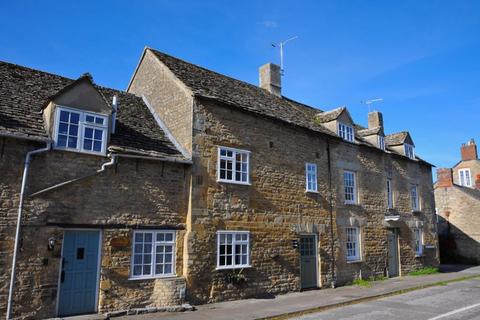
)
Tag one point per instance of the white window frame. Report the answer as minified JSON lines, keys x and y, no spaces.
{"x":153,"y":253}
{"x":465,"y":177}
{"x":82,"y":124}
{"x":389,"y":194}
{"x":234,"y":162}
{"x":418,"y":241}
{"x":311,"y":178}
{"x":414,"y":197}
{"x":381,"y":142}
{"x":409,"y":150}
{"x":356,"y":244}
{"x":346,"y":132}
{"x":234,"y":253}
{"x":354,"y":193}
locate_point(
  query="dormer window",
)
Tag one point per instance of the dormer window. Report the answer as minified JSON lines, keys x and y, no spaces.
{"x":409,"y":151}
{"x":346,"y":132}
{"x":80,"y":131}
{"x":381,"y":142}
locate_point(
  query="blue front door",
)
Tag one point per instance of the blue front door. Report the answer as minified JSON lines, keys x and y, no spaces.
{"x":78,"y":279}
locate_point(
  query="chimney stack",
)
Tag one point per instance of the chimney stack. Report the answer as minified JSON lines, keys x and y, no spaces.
{"x":375,"y":119}
{"x":271,"y":79}
{"x":444,"y":178}
{"x":469,"y":151}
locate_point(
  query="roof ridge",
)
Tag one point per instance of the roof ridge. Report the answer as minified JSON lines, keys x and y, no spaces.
{"x":259,"y":89}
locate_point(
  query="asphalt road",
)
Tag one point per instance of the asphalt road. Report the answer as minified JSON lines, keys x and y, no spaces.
{"x":454,"y":301}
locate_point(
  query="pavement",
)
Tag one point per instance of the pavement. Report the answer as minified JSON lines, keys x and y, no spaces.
{"x":301,"y":304}
{"x":455,"y":300}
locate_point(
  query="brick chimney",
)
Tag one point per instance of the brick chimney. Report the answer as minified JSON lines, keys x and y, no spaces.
{"x":469,"y":151}
{"x":444,"y":177}
{"x":271,"y":79}
{"x":375,"y":119}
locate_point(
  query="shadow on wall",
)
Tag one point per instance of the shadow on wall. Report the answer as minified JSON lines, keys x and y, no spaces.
{"x":456,"y":247}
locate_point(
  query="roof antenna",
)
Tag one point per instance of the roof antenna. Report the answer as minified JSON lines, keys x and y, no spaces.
{"x":281,"y":44}
{"x":371,"y":101}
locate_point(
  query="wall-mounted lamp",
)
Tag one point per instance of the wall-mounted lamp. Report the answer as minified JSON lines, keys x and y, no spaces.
{"x":51,"y":243}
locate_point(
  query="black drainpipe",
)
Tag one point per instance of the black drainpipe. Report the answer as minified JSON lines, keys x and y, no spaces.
{"x":330,"y":200}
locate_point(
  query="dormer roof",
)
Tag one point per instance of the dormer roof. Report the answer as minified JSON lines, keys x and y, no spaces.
{"x":372,"y":131}
{"x":399,"y":138}
{"x":23,"y":92}
{"x":327,"y":116}
{"x":93,"y":92}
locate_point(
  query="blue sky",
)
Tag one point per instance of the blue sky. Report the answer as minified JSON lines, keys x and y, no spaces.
{"x":421,"y":57}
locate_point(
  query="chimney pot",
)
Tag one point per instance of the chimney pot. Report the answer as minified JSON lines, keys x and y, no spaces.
{"x":444,"y":177}
{"x":469,"y":151}
{"x":270,"y":78}
{"x":375,"y":119}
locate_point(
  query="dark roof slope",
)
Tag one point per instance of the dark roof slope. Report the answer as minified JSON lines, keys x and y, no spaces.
{"x":207,"y":83}
{"x":23,"y":92}
{"x":396,"y":139}
{"x":330,"y":115}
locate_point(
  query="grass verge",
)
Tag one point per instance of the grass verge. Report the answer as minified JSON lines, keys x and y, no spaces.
{"x":424,"y":271}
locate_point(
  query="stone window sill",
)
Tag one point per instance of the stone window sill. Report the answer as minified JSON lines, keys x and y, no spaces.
{"x":235,"y":182}
{"x":354,"y":261}
{"x":233,"y":267}
{"x":170,"y":276}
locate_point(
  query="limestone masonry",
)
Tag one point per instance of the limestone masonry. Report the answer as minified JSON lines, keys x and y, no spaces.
{"x":457,"y":197}
{"x":193,"y":187}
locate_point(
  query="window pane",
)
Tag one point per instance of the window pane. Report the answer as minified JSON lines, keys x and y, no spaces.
{"x":147,"y":258}
{"x":64,"y":116}
{"x":89,"y":118}
{"x":137,"y":259}
{"x":62,"y":128}
{"x":160,"y":237}
{"x":74,"y":117}
{"x":87,"y":144}
{"x":98,"y":134}
{"x":148,"y":237}
{"x":72,"y":142}
{"x":62,"y":141}
{"x":147,"y":248}
{"x":137,"y":270}
{"x":89,"y":133}
{"x":146,"y":269}
{"x":138,"y":237}
{"x":138,"y":248}
{"x":168,"y":268}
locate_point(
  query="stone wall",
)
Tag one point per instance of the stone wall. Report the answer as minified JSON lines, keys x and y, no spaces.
{"x":275,"y":204}
{"x":130,"y":195}
{"x":459,"y":223}
{"x":169,"y":97}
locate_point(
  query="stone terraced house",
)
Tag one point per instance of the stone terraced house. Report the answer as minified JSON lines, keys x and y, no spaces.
{"x":457,"y":197}
{"x":195,"y":187}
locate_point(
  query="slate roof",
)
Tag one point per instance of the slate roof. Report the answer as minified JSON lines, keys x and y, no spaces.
{"x":396,"y":139}
{"x":24,"y":91}
{"x":331,"y":115}
{"x":368,"y":132}
{"x":210,"y":84}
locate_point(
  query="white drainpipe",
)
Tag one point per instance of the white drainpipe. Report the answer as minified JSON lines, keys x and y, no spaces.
{"x":19,"y":221}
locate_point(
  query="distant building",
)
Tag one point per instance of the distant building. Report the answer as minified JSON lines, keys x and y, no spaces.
{"x":457,"y":197}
